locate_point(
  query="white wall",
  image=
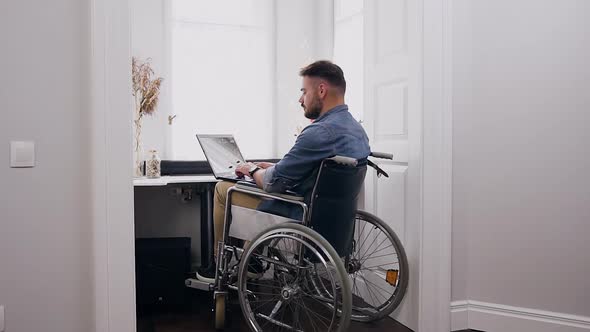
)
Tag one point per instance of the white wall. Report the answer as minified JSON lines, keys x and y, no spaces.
{"x":45,"y":239}
{"x":521,"y":166}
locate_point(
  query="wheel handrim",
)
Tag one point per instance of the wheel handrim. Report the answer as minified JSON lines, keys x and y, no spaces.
{"x":287,"y":291}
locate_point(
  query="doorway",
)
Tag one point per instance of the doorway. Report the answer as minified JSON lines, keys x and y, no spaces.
{"x":427,"y":309}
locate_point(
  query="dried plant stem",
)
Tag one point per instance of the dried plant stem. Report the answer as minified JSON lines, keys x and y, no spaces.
{"x":138,"y":147}
{"x":137,"y":143}
{"x":146,"y":91}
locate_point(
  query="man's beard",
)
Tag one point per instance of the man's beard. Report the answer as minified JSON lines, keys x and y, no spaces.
{"x":313,"y":110}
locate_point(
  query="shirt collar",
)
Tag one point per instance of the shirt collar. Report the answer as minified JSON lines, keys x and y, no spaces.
{"x":337,"y":109}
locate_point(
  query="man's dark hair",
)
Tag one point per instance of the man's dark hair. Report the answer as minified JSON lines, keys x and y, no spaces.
{"x":326,"y":70}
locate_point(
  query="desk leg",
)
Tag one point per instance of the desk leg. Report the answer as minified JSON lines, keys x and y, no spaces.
{"x":207,"y":225}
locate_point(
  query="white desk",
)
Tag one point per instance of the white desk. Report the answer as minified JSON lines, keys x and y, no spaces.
{"x":205,"y":185}
{"x":165,"y":180}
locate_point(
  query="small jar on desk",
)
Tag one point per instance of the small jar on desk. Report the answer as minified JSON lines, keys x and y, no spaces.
{"x":152,"y":165}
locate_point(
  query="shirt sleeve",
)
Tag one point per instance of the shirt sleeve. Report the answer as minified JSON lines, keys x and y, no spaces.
{"x":312,"y":146}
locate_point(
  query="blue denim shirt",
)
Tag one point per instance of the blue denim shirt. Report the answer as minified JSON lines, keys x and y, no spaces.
{"x":334,"y":133}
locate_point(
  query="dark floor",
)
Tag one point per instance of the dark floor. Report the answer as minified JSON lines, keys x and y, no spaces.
{"x":198,"y":316}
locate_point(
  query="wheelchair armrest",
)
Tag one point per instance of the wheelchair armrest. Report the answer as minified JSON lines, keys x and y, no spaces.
{"x":346,"y":161}
{"x":251,"y":187}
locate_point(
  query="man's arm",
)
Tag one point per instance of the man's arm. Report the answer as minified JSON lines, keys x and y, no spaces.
{"x":258,"y":174}
{"x":313,"y":145}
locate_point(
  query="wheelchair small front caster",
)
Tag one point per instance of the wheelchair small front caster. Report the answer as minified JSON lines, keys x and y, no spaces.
{"x":220,"y":311}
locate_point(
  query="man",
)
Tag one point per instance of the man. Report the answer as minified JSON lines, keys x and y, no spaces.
{"x":333,"y":132}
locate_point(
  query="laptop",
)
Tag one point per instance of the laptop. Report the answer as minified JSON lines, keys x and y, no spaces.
{"x":223,"y":156}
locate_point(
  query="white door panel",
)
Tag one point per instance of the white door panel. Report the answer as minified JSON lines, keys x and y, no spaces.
{"x":387,"y":72}
{"x":392,"y":123}
{"x":388,"y":67}
{"x":390,"y":102}
{"x":390,"y":18}
{"x":390,"y":198}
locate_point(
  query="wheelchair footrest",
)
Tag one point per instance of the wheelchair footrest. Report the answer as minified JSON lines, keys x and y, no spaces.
{"x":198,"y":284}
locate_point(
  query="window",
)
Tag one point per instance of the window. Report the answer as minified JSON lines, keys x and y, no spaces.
{"x":222,"y":78}
{"x":348,"y":51}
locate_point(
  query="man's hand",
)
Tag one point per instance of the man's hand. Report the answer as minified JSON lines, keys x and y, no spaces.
{"x":264,"y":164}
{"x":244,"y":169}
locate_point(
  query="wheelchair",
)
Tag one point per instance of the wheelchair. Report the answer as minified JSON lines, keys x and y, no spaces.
{"x":334,"y":265}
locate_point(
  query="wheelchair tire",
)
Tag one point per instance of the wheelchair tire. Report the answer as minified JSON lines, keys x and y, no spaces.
{"x":362,"y":268}
{"x":286,"y":284}
{"x":220,"y":312}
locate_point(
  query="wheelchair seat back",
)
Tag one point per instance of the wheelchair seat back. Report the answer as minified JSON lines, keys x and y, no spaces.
{"x":334,"y":201}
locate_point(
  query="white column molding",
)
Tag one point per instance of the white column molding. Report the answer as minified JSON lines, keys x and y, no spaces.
{"x":435,"y":260}
{"x":111,"y":167}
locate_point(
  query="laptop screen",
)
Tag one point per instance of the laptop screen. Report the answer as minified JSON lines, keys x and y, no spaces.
{"x":222,"y":153}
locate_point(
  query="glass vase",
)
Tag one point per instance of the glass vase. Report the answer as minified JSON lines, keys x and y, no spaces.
{"x":138,"y":149}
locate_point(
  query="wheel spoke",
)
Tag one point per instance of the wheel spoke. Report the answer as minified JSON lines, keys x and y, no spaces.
{"x":370,"y":244}
{"x":389,"y":246}
{"x":374,"y":284}
{"x":377,"y":247}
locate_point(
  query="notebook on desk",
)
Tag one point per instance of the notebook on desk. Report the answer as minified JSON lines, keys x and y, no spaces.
{"x":223,"y":156}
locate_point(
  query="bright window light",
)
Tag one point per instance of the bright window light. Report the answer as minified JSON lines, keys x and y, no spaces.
{"x":348,"y":51}
{"x":222,"y":74}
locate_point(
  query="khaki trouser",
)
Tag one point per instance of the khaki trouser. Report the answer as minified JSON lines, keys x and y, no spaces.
{"x":238,"y":199}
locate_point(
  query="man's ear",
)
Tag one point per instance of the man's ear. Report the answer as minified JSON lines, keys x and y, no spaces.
{"x":322,"y":89}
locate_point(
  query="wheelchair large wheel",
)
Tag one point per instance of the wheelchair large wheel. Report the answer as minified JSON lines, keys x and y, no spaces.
{"x":284,"y":297}
{"x":377,"y":267}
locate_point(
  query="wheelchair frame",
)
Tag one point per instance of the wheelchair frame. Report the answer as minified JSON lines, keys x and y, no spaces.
{"x":225,"y":275}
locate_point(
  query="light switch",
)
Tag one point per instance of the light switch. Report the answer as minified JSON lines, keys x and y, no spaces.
{"x":22,"y":154}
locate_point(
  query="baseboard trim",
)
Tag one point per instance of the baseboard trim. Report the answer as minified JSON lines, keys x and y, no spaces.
{"x":491,"y":317}
{"x":459,"y":315}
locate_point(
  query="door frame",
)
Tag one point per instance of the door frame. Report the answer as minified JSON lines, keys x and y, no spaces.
{"x":111,"y":175}
{"x":437,"y":166}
